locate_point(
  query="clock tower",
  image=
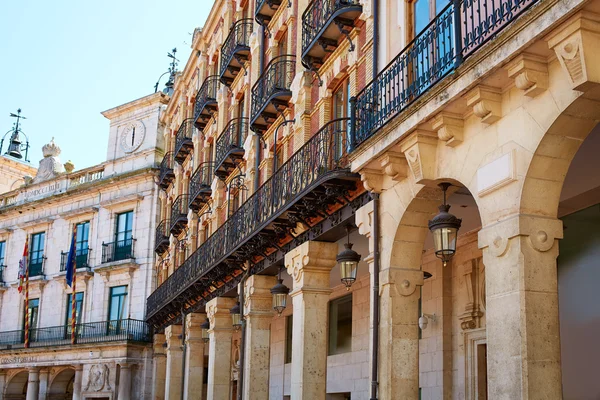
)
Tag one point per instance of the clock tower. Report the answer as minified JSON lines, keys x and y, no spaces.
{"x":135,"y":131}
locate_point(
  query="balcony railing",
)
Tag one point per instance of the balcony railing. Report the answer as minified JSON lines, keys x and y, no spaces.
{"x":271,"y":92}
{"x":166,"y":173}
{"x":118,"y":251}
{"x":265,"y":9}
{"x":321,"y":160}
{"x":235,"y":50}
{"x":161,"y":242}
{"x":454,"y":34}
{"x":36,"y":267}
{"x":230,"y":147}
{"x":324,"y":22}
{"x":200,"y":186}
{"x":130,"y":330}
{"x":206,"y":101}
{"x":81,"y":259}
{"x":179,"y":212}
{"x":183,"y":141}
{"x":2,"y":268}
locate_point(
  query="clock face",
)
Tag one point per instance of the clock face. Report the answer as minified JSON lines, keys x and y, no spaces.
{"x":132,"y":136}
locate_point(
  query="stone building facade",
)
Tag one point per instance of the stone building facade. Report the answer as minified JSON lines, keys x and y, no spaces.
{"x":112,"y":206}
{"x":299,"y":125}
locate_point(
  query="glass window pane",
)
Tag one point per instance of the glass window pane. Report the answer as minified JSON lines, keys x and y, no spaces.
{"x":421,"y":15}
{"x":340,"y":325}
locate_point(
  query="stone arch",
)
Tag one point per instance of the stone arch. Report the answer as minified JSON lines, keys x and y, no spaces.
{"x":16,"y":389}
{"x":61,"y":387}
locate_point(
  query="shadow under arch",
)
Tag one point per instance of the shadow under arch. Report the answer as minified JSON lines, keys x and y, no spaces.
{"x":16,"y":389}
{"x":61,"y":387}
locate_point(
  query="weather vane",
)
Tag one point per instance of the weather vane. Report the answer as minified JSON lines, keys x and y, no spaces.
{"x":172,"y":69}
{"x":16,"y":146}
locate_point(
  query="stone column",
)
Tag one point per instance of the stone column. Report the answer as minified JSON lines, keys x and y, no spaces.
{"x":523,"y":344}
{"x":43,"y":384}
{"x":2,"y":382}
{"x":194,"y":357}
{"x":124,"y":381}
{"x":309,"y":265}
{"x":159,"y":367}
{"x":258,"y":311}
{"x":174,"y":373}
{"x":33,"y":384}
{"x":77,"y":382}
{"x":219,"y":353}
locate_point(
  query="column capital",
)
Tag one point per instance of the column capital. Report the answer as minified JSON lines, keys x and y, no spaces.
{"x":172,"y":335}
{"x":158,"y":344}
{"x":257,"y":295}
{"x":310,"y":263}
{"x":192,"y":326}
{"x":78,"y":367}
{"x":542,"y":233}
{"x":218,"y":313}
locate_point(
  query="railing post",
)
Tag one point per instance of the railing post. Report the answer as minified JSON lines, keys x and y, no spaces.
{"x":458,"y":48}
{"x":352,"y":122}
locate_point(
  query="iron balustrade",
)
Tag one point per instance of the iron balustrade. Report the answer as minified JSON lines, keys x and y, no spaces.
{"x":206,"y":101}
{"x":81,"y":259}
{"x":200,"y":185}
{"x":231,"y":140}
{"x":321,"y":158}
{"x":118,"y":251}
{"x":275,"y":81}
{"x":161,"y":239}
{"x":166,"y":173}
{"x":36,"y":268}
{"x":183,"y":141}
{"x":179,"y":212}
{"x":236,"y":47}
{"x":265,"y":9}
{"x":319,"y":15}
{"x":457,"y":32}
{"x":2,"y":268}
{"x":90,"y":332}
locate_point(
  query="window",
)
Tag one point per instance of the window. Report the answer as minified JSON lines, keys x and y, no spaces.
{"x":78,"y":308}
{"x":424,"y":11}
{"x":240,"y":128}
{"x":341,"y":109}
{"x":81,"y":244}
{"x":36,"y":254}
{"x":117,"y":306}
{"x":31,"y":313}
{"x":2,"y":253}
{"x":340,"y":325}
{"x":123,"y":236}
{"x":289,"y":324}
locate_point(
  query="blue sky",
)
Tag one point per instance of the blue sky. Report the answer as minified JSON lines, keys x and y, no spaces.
{"x":65,"y":61}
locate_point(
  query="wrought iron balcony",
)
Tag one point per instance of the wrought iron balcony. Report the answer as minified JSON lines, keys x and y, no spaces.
{"x":183,"y":141}
{"x":271,"y":92}
{"x":161,"y":241}
{"x":36,"y":267}
{"x":82,"y":257}
{"x":166,"y":174}
{"x":304,"y":189}
{"x":324,"y":24}
{"x":206,"y":101}
{"x":118,"y":251}
{"x":265,"y":9}
{"x":200,"y":186}
{"x":179,"y":212}
{"x":455,"y":34}
{"x":230,"y":147}
{"x":130,"y":330}
{"x":235,"y":50}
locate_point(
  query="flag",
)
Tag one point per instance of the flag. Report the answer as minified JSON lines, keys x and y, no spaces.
{"x":71,"y":259}
{"x":23,"y":265}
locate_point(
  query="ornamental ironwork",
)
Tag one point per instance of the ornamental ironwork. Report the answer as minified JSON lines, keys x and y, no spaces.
{"x":235,"y":50}
{"x":323,"y":23}
{"x":265,"y":9}
{"x":81,"y":259}
{"x":118,"y":250}
{"x":166,"y":173}
{"x":248,"y":234}
{"x":229,"y":150}
{"x":271,"y":92}
{"x":161,"y":240}
{"x":183,"y":142}
{"x":206,"y":101}
{"x":179,"y":212}
{"x":460,"y":29}
{"x":200,"y":186}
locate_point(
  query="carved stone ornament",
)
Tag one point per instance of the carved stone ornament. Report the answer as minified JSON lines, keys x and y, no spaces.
{"x":50,"y":166}
{"x":98,"y":378}
{"x":486,"y":102}
{"x":471,"y":317}
{"x":449,"y":127}
{"x":530,"y":73}
{"x":420,"y":151}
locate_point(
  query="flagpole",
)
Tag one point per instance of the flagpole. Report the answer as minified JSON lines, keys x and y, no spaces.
{"x":27,"y":316}
{"x":74,"y":294}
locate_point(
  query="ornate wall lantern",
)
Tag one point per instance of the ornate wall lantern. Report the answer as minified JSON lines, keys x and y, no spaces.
{"x":236,"y":316}
{"x":279,"y":293}
{"x":205,"y":327}
{"x":444,"y":227}
{"x":348,"y":260}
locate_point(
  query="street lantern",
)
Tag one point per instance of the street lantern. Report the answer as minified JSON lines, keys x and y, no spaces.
{"x":205,"y":327}
{"x":236,"y":315}
{"x":348,"y":260}
{"x":444,"y":227}
{"x":280,"y":293}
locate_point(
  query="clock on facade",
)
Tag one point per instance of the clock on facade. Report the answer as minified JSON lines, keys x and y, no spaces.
{"x":132,"y":136}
